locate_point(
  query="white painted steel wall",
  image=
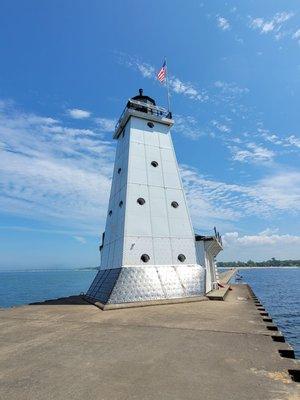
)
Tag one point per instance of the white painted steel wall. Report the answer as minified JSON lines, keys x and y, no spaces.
{"x":206,"y":252}
{"x":155,"y":228}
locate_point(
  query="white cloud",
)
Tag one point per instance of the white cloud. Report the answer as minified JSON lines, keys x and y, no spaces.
{"x":188,"y":126}
{"x":230,"y":88}
{"x":146,"y":70}
{"x":254,"y":153}
{"x":221,"y":127}
{"x":261,"y":246}
{"x":53,"y":173}
{"x":292,"y":141}
{"x":106,"y":124}
{"x":176,"y":85}
{"x":296,"y":35}
{"x":261,"y":239}
{"x":215,"y":202}
{"x":80,"y":239}
{"x":273,"y":25}
{"x":76,"y":113}
{"x":223,"y":23}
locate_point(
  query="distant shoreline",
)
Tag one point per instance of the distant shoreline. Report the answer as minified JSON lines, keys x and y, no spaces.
{"x":282,"y":266}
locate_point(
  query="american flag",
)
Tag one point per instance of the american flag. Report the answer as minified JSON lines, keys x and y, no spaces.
{"x":161,"y":75}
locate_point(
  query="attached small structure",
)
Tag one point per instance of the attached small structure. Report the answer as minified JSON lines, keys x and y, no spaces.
{"x":149,"y":250}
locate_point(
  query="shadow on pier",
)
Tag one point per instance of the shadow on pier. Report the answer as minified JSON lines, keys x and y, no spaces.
{"x":71,"y":300}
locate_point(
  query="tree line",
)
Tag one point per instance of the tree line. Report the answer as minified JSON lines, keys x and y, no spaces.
{"x":269,"y":263}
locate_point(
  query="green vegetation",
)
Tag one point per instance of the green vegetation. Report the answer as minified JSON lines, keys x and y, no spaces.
{"x":269,"y":263}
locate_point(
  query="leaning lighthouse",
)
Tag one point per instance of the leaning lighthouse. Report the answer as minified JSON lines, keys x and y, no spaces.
{"x":148,"y":249}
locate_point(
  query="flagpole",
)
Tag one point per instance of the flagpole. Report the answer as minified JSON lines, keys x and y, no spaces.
{"x":167,"y":84}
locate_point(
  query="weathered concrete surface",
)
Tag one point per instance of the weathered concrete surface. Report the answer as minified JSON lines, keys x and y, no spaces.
{"x":219,"y":294}
{"x":191,"y":351}
{"x":224,"y":277}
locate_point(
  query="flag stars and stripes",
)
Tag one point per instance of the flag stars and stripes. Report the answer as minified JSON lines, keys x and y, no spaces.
{"x":161,"y":75}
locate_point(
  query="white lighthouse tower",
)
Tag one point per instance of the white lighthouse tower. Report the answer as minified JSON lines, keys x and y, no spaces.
{"x":148,"y":249}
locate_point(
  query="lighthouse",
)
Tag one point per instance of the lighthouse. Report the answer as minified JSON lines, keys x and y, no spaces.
{"x":149,"y":251}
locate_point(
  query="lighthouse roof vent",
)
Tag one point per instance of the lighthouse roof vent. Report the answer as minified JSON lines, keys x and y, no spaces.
{"x":144,"y":99}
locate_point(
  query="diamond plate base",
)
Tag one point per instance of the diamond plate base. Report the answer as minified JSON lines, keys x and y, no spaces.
{"x":135,"y":284}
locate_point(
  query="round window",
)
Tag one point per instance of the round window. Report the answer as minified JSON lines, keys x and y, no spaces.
{"x":181,"y":257}
{"x":145,"y":258}
{"x":150,"y":124}
{"x":154,"y":164}
{"x":174,"y":204}
{"x":141,"y":201}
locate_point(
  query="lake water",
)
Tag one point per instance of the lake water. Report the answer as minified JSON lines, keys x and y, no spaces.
{"x":279,"y":291}
{"x":277,"y":288}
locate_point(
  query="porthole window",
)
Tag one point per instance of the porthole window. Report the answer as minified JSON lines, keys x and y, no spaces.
{"x":141,"y":201}
{"x":110,"y":213}
{"x":145,"y":258}
{"x":154,"y":164}
{"x":119,"y":170}
{"x":150,"y":124}
{"x":121,"y":203}
{"x":181,"y":257}
{"x":174,"y":204}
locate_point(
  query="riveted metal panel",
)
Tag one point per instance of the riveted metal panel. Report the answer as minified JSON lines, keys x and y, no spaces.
{"x":170,"y":282}
{"x":137,"y":284}
{"x":192,"y":279}
{"x":140,"y":283}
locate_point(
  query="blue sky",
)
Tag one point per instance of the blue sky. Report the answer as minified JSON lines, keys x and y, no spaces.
{"x":66,"y":71}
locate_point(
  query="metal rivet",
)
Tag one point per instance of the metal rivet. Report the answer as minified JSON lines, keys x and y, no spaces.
{"x":150,"y":124}
{"x":110,"y":213}
{"x":154,"y":164}
{"x":119,"y":170}
{"x":121,"y":203}
{"x":141,"y":201}
{"x":174,"y":204}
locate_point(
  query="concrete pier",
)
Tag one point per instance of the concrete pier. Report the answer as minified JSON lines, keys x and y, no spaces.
{"x":69,"y":349}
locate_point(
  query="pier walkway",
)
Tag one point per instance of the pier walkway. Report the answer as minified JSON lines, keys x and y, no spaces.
{"x":212,"y":350}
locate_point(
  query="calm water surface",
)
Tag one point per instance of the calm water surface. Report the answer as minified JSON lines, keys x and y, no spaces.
{"x":277,"y":288}
{"x":17,"y":288}
{"x":279,"y":291}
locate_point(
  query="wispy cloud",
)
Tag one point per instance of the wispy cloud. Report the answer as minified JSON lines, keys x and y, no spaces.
{"x":262,"y":239}
{"x":77,"y":113}
{"x":187,"y":89}
{"x":188,"y":126}
{"x":220,"y":126}
{"x":176,"y":85}
{"x":296,"y":35}
{"x":230,"y":88}
{"x":80,"y":239}
{"x":212,"y":202}
{"x":260,"y":246}
{"x":106,"y":124}
{"x":291,"y":141}
{"x":254,"y":153}
{"x":273,"y":26}
{"x":223,"y":23}
{"x":53,"y":173}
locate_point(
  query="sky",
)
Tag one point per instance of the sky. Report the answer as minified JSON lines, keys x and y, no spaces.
{"x":67,"y":69}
